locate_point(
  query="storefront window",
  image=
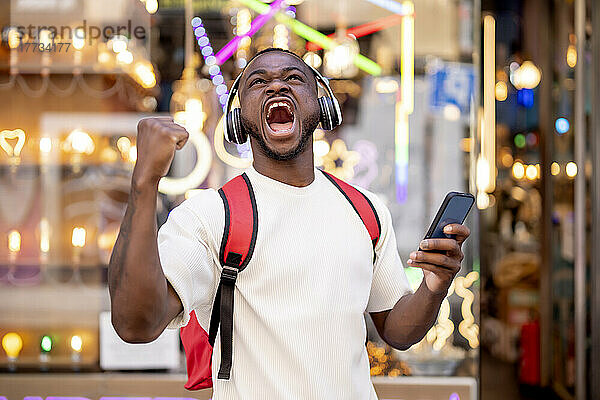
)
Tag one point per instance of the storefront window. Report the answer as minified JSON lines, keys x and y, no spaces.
{"x":75,"y":79}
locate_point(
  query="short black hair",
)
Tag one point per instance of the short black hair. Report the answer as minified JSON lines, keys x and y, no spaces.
{"x":270,"y":49}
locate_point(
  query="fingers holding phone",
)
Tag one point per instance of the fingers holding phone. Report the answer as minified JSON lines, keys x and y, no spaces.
{"x":440,"y":254}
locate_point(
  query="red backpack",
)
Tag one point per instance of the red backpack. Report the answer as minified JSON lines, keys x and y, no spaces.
{"x":237,"y":246}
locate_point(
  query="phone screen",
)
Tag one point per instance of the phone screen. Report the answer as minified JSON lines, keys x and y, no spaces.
{"x":455,"y":213}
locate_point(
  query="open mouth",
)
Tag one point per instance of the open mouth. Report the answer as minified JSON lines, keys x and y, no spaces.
{"x":280,"y":116}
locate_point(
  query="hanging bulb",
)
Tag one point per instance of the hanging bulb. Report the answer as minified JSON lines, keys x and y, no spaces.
{"x":12,"y":345}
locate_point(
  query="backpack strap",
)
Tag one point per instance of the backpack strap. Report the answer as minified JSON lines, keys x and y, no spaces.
{"x":237,"y":246}
{"x":362,"y":205}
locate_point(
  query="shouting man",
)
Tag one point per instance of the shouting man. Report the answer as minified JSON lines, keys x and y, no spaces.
{"x":299,"y":328}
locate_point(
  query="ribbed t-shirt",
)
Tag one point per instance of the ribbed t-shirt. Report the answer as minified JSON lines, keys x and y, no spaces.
{"x":298,"y":326}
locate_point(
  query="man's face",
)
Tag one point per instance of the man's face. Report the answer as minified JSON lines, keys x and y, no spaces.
{"x":280,"y":110}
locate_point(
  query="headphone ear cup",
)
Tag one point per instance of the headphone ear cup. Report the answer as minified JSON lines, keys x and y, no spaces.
{"x":234,"y":131}
{"x":240,"y":136}
{"x":329,"y":117}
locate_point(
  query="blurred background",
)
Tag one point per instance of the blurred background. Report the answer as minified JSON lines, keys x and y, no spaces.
{"x":492,"y":97}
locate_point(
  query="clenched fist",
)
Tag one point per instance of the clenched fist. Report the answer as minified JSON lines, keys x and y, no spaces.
{"x":157,"y":140}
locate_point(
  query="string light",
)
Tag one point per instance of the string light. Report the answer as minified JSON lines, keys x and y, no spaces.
{"x":214,"y":70}
{"x":14,"y":38}
{"x":151,"y":6}
{"x":79,"y":142}
{"x":312,"y":59}
{"x":571,"y":169}
{"x":571,"y":56}
{"x":76,"y":343}
{"x":14,"y":241}
{"x":119,"y":43}
{"x":125,"y":57}
{"x":12,"y":343}
{"x":45,"y":38}
{"x":555,"y":168}
{"x":531,"y":172}
{"x":144,"y":74}
{"x":280,"y":37}
{"x":78,"y":237}
{"x":45,"y":145}
{"x":562,"y":126}
{"x":501,"y":91}
{"x":527,"y":76}
{"x":518,"y":170}
{"x":44,"y":235}
{"x":46,"y":343}
{"x":78,"y":39}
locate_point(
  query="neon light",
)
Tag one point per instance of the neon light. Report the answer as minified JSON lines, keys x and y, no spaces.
{"x":209,"y":59}
{"x":365,"y":29}
{"x":401,"y":150}
{"x":562,"y":126}
{"x":227,"y":51}
{"x":407,"y":60}
{"x":404,"y":102}
{"x":486,"y":165}
{"x":312,"y":35}
{"x":390,"y":5}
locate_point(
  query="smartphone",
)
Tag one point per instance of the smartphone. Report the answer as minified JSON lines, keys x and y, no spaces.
{"x":454,"y":210}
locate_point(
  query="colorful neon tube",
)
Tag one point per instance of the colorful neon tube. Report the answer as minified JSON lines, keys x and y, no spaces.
{"x":365,"y":29}
{"x":312,"y":35}
{"x":227,"y":51}
{"x":390,"y":5}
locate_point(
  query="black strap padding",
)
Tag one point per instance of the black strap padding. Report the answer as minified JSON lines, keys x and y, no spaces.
{"x":228,"y":278}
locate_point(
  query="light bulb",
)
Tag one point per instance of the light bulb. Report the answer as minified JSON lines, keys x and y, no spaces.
{"x":12,"y":344}
{"x":78,"y":237}
{"x":76,"y":343}
{"x":46,"y":343}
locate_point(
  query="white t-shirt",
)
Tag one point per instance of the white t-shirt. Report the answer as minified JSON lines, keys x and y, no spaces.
{"x":298,"y":328}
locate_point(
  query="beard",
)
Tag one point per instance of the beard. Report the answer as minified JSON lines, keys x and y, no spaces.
{"x":308,"y":126}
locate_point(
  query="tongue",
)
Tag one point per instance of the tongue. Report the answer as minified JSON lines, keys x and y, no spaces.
{"x":281,"y":126}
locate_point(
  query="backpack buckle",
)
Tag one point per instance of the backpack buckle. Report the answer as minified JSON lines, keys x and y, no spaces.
{"x":229,"y":275}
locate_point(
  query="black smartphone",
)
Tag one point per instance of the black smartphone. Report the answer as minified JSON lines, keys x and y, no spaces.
{"x":454,"y":210}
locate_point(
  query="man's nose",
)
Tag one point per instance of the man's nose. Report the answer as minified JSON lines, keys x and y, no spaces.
{"x":277,"y":86}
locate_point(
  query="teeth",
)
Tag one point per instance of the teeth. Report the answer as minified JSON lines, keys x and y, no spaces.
{"x":278,"y":104}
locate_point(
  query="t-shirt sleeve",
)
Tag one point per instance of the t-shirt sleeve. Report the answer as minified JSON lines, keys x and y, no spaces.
{"x":187,"y":264}
{"x":389,"y":279}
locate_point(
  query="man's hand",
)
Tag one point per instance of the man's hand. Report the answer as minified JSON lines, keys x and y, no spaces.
{"x":157,"y":140}
{"x":440,"y":268}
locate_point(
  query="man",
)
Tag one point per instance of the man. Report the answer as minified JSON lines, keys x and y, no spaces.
{"x":299,"y":331}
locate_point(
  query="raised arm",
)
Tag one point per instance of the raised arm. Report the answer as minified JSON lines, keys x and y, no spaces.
{"x":414,"y":314}
{"x":142,"y":301}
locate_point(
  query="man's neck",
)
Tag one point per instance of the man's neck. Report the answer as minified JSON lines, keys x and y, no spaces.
{"x":296,"y":172}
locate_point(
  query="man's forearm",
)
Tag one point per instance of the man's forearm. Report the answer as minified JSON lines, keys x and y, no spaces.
{"x":137,"y":285}
{"x":411,"y":318}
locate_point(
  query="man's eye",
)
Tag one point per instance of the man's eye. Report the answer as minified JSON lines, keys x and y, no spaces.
{"x":294,"y":77}
{"x":257,"y":81}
